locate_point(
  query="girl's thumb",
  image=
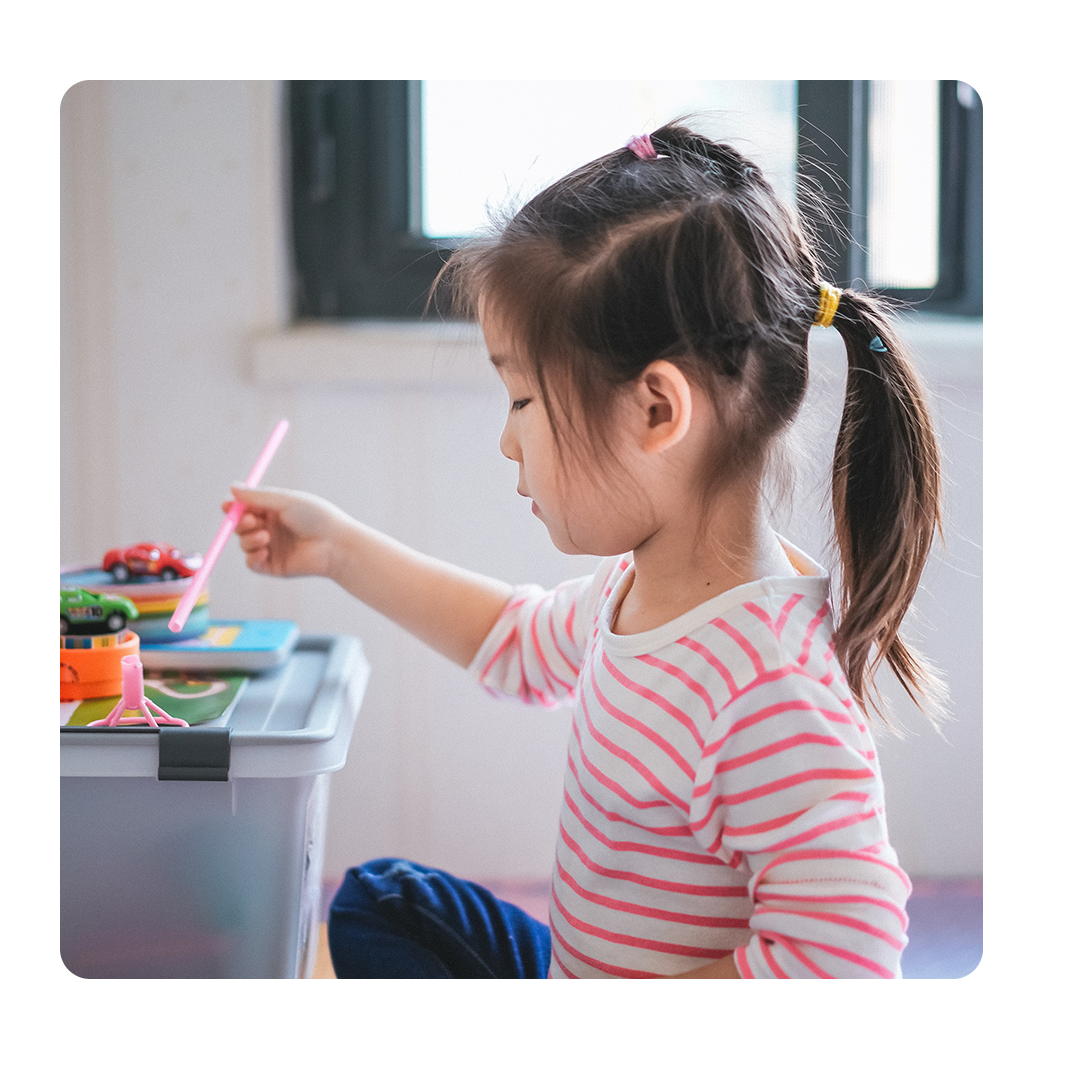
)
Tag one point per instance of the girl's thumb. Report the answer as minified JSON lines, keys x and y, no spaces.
{"x":268,"y":498}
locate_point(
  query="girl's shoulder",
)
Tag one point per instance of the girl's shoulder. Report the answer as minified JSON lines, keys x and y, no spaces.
{"x":595,"y":591}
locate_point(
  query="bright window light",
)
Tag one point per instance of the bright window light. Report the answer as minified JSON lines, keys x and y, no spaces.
{"x":902,"y":229}
{"x":492,"y":145}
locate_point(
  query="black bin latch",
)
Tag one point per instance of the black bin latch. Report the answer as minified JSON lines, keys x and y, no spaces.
{"x":193,"y":753}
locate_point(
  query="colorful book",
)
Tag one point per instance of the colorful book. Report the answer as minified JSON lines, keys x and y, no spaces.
{"x":198,"y":700}
{"x":243,"y":645}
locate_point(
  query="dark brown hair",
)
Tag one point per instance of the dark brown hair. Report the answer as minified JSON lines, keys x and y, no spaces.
{"x":691,"y":257}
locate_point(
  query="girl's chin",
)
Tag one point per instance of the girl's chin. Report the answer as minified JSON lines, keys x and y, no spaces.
{"x":565,"y":544}
{"x":559,"y":536}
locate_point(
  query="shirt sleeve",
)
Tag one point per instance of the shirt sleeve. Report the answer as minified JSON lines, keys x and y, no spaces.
{"x":535,"y":650}
{"x":789,"y":787}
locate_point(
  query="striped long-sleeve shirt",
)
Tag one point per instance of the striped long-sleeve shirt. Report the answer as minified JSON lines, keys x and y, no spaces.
{"x":722,"y":792}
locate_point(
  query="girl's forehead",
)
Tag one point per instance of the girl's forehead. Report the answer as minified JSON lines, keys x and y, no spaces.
{"x":510,"y":371}
{"x":502,"y":347}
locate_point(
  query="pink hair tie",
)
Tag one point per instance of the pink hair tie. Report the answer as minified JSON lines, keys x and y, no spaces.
{"x":643,"y":147}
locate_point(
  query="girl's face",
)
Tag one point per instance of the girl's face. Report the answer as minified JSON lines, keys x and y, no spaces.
{"x":584,"y":512}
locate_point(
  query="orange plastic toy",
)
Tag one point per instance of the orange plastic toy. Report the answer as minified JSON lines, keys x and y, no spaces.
{"x":90,"y":673}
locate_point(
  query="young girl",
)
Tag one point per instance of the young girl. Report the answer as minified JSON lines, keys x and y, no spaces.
{"x":723,"y":813}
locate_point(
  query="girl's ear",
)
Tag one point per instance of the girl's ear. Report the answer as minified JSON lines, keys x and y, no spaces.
{"x":663,"y":393}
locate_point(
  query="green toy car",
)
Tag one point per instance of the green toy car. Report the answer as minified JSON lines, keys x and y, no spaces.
{"x":85,"y":612}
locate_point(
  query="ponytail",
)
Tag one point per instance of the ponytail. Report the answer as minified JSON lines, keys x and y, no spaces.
{"x":886,"y":493}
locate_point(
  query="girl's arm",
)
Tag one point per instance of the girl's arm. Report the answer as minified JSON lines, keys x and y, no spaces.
{"x":788,"y":789}
{"x":724,"y":968}
{"x":289,"y":534}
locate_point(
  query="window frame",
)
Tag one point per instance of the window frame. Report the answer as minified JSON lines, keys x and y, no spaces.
{"x":833,"y":118}
{"x":358,"y":251}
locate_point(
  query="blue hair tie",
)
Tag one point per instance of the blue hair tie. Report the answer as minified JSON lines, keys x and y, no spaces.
{"x":876,"y":345}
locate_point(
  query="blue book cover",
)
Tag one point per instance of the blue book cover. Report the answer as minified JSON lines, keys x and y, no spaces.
{"x":237,"y":645}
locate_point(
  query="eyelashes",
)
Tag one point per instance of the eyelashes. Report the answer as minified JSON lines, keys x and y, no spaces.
{"x":520,"y":404}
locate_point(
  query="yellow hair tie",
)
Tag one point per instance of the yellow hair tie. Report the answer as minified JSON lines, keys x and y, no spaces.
{"x":827,"y":305}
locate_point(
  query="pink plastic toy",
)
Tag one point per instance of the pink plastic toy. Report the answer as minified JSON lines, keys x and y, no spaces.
{"x":133,"y":697}
{"x":187,"y":601}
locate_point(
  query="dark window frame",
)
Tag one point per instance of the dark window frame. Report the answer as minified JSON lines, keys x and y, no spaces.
{"x":358,"y":251}
{"x":833,"y":156}
{"x":357,"y":248}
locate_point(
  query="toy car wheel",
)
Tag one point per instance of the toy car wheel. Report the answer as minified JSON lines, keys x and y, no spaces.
{"x":168,"y":574}
{"x":116,"y":621}
{"x":65,"y":626}
{"x":120,"y":571}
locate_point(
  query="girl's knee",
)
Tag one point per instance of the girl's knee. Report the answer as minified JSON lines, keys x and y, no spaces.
{"x":373,"y":883}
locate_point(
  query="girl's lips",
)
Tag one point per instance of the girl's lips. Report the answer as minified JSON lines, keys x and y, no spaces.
{"x":535,"y":509}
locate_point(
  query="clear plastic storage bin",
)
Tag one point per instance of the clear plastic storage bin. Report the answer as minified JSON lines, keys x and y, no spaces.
{"x":197,"y":852}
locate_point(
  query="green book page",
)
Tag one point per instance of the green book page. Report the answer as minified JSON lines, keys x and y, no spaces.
{"x":196,"y":699}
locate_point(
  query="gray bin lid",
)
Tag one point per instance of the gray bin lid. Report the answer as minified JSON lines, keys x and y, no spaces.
{"x":295,"y":720}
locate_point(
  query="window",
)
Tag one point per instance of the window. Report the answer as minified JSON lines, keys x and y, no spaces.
{"x":479,"y":148}
{"x":901,"y":166}
{"x":903,"y":226}
{"x":387,"y":176}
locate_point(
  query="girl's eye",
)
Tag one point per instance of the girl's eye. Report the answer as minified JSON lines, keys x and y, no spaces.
{"x":520,"y":404}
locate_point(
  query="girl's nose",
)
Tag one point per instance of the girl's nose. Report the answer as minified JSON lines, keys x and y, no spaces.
{"x":509,"y":445}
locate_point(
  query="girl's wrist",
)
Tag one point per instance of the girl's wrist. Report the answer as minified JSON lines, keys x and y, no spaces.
{"x":341,"y":536}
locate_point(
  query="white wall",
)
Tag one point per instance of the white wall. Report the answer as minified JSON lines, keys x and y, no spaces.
{"x":177,"y":360}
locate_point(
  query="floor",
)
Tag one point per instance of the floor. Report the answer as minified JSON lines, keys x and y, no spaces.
{"x":323,"y":968}
{"x":944,"y":935}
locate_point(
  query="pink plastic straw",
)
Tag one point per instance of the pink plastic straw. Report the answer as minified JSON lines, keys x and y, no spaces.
{"x":187,"y":601}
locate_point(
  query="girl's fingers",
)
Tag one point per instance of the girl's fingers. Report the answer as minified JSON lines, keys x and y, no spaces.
{"x":255,"y":541}
{"x":247,"y":519}
{"x":248,"y":522}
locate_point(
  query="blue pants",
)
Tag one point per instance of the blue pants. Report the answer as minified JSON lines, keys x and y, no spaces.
{"x":393,"y":919}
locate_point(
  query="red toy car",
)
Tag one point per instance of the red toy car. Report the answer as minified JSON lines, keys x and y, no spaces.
{"x":162,"y":560}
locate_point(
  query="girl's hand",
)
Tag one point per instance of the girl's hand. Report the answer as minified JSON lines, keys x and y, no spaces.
{"x":287,"y":533}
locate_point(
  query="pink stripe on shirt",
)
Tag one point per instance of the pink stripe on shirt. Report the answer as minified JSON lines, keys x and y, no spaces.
{"x":600,"y":900}
{"x":655,"y":698}
{"x":642,"y":770}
